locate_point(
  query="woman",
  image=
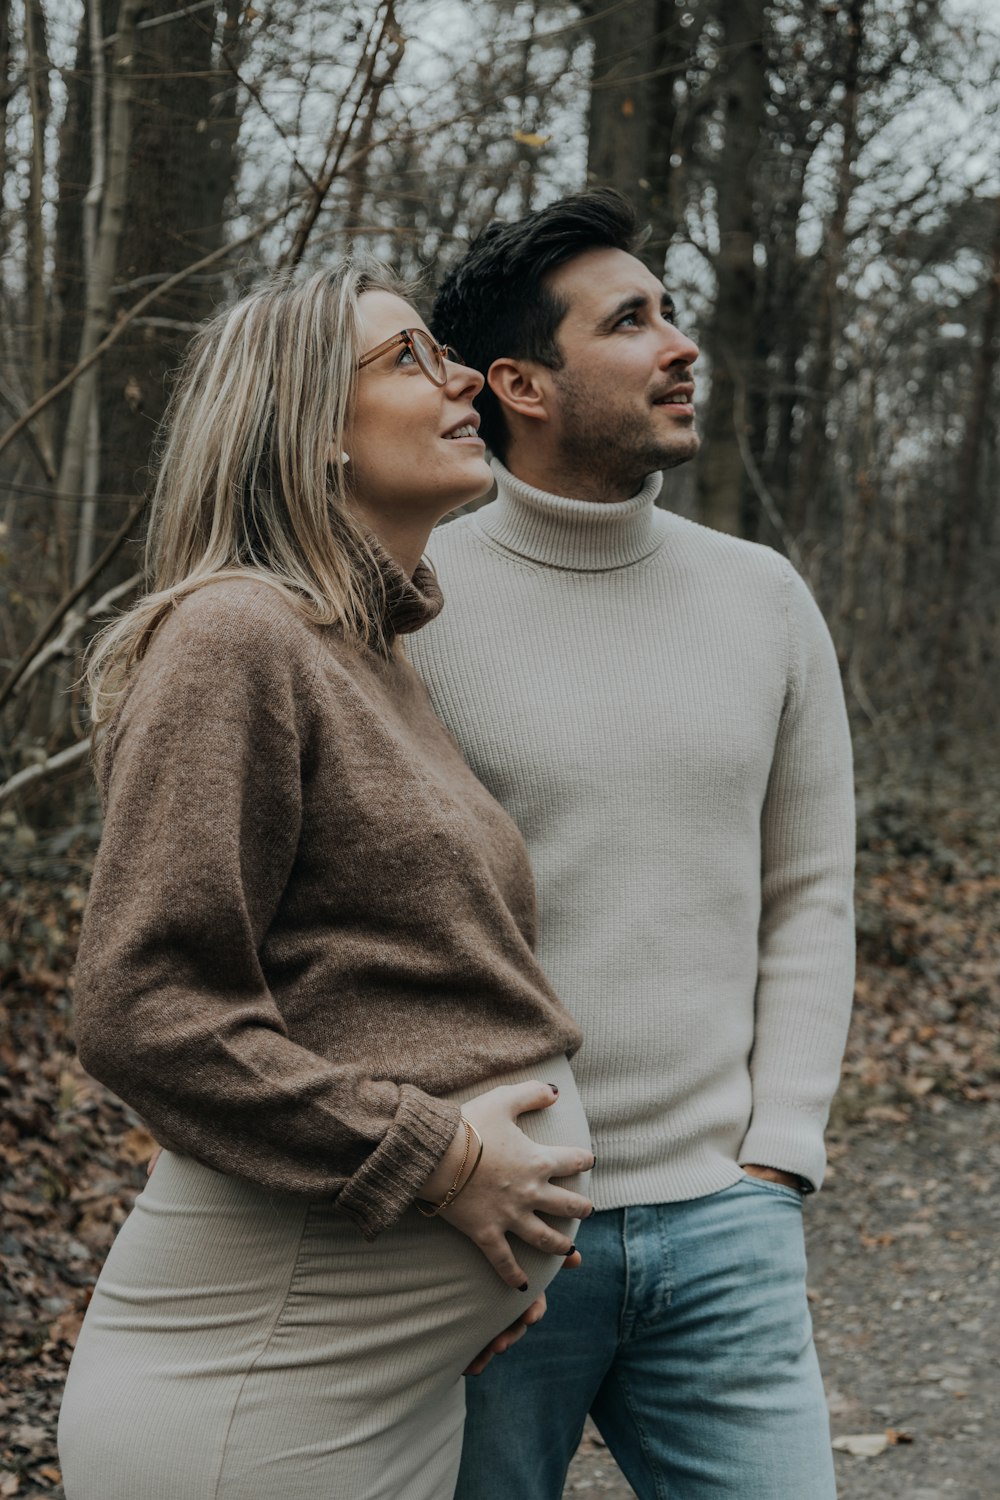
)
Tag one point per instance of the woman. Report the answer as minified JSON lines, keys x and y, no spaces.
{"x":306,"y":958}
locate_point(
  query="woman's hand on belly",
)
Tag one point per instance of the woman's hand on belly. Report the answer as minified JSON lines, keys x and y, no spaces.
{"x":509,"y":1337}
{"x":531,"y":1315}
{"x":516,"y":1182}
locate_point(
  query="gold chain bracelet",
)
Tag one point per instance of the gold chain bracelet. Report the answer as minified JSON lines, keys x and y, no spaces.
{"x":459,"y":1184}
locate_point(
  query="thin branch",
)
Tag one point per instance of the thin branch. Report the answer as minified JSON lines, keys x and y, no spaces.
{"x":125,"y":318}
{"x":13,"y":405}
{"x":754,"y":475}
{"x":325,"y":181}
{"x":175,"y":325}
{"x":157,"y":276}
{"x":74,"y":624}
{"x":71,"y":756}
{"x":860,"y":692}
{"x":175,"y":15}
{"x":255,"y":95}
{"x":65,"y":604}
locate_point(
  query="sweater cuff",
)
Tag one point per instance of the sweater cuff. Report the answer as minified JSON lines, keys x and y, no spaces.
{"x":788,"y":1139}
{"x":388,"y":1182}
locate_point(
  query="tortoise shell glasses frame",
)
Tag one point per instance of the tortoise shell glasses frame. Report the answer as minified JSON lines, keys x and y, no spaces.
{"x":431,"y":357}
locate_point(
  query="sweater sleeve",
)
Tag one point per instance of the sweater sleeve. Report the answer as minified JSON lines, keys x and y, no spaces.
{"x":806,"y":940}
{"x":203,"y":792}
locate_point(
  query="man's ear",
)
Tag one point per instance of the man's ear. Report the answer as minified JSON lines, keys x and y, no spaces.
{"x":519,"y":387}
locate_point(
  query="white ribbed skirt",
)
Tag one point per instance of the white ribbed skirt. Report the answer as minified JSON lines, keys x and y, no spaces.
{"x":241,"y":1345}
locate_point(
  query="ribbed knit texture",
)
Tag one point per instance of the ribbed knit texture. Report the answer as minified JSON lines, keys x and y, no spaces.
{"x":242,"y":1344}
{"x":659,"y":708}
{"x":307,"y":919}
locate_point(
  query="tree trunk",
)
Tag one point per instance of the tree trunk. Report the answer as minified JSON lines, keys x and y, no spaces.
{"x":105,"y":253}
{"x":620,"y":120}
{"x":723,"y":491}
{"x":107,"y":196}
{"x":181,"y":171}
{"x":38,"y":93}
{"x":971,"y":499}
{"x":6,"y":94}
{"x":673,"y":116}
{"x":91,"y":226}
{"x":813,"y":456}
{"x":72,"y":179}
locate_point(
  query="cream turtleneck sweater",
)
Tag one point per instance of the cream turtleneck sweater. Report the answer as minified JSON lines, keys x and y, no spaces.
{"x":659,"y":708}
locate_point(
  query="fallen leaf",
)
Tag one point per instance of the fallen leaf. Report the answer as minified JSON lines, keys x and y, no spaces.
{"x":15,"y":1203}
{"x":862,"y":1444}
{"x":136,"y":1145}
{"x":887,"y":1113}
{"x":27,"y":1436}
{"x":530,"y":138}
{"x":66,"y":1327}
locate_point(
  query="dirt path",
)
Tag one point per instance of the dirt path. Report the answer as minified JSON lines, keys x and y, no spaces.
{"x":904,"y":1255}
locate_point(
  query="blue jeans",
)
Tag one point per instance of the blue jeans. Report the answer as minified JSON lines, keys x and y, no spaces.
{"x":686,"y":1334}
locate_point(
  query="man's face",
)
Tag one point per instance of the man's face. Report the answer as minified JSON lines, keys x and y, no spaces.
{"x":623,"y":401}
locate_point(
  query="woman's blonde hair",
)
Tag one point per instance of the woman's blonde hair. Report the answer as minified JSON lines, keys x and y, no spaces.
{"x":251,"y":477}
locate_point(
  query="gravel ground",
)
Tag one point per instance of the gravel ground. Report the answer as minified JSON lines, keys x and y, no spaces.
{"x":904,"y":1256}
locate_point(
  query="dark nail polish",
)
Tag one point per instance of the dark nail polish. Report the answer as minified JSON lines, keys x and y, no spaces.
{"x":554,"y":1089}
{"x":571,"y":1250}
{"x":523,"y":1287}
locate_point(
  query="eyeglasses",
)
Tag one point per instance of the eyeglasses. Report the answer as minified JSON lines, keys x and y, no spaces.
{"x":431,"y":357}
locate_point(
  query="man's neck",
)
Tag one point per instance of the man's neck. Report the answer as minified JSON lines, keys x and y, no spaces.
{"x":556,"y":478}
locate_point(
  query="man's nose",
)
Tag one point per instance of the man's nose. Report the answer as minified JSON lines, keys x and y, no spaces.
{"x":678,"y":349}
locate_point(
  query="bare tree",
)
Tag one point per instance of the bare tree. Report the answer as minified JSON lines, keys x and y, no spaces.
{"x":723,"y":489}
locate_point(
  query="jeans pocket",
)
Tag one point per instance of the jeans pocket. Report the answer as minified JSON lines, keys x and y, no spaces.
{"x":781,"y":1189}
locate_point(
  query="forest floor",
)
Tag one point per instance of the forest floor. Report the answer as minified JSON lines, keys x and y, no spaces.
{"x":904,"y":1251}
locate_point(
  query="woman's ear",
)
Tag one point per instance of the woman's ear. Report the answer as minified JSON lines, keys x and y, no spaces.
{"x":520,"y":386}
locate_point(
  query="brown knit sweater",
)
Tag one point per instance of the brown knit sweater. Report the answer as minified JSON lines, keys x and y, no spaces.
{"x":308,"y":920}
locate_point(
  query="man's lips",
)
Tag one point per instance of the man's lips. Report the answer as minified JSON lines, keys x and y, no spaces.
{"x":679,"y":399}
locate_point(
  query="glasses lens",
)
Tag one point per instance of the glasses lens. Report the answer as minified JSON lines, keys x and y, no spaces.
{"x":428,"y":356}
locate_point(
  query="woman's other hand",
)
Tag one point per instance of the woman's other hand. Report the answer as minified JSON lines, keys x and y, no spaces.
{"x":509,"y":1337}
{"x":516,"y":1182}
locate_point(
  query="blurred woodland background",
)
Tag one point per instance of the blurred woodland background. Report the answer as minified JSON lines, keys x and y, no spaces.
{"x":822,"y":182}
{"x":823,"y":188}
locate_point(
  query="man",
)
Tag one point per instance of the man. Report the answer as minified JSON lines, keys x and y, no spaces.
{"x":659,"y":708}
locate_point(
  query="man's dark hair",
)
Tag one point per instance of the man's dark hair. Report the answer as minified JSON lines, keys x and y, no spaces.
{"x":495,"y":304}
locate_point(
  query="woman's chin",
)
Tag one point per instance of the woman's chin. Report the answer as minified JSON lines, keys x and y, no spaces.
{"x":478,"y":483}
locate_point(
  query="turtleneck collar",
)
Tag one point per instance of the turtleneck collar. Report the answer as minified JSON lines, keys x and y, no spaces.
{"x":410,"y":603}
{"x":584,"y":535}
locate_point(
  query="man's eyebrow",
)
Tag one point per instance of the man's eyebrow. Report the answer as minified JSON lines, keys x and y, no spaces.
{"x":635,"y":302}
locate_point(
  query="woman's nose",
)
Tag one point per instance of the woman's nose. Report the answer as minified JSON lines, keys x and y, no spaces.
{"x":463,"y":380}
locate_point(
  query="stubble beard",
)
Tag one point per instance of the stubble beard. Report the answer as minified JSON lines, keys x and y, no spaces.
{"x":615,"y":448}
